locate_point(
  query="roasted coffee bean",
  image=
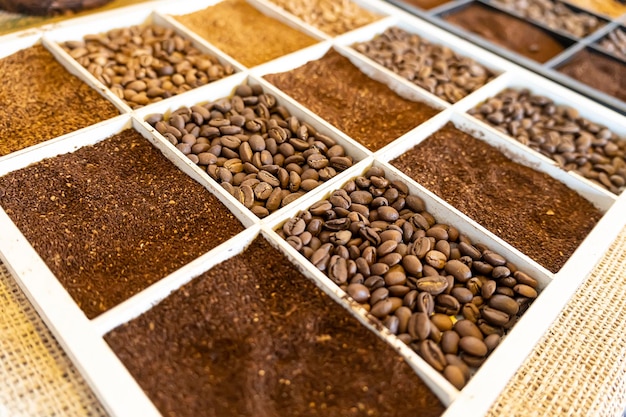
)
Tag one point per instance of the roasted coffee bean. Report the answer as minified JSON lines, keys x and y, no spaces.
{"x":433,"y":285}
{"x":447,"y":304}
{"x":467,"y":328}
{"x":392,"y":323}
{"x":458,"y":270}
{"x":135,"y":63}
{"x":404,"y":314}
{"x":473,"y":345}
{"x":455,"y":376}
{"x":495,"y":317}
{"x":330,"y":17}
{"x":435,"y":259}
{"x":525,"y":291}
{"x":433,"y":67}
{"x":442,"y":321}
{"x":488,"y":289}
{"x":504,"y":303}
{"x":450,"y":342}
{"x":463,"y":295}
{"x":382,"y":308}
{"x":554,"y":15}
{"x":470,"y":312}
{"x":432,"y":354}
{"x":560,"y":133}
{"x":492,"y":341}
{"x":419,"y":326}
{"x":248,"y":154}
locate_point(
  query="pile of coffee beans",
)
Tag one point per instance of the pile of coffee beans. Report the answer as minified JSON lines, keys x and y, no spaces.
{"x":329,"y":16}
{"x":450,"y":300}
{"x":615,"y":43}
{"x":262,"y":155}
{"x":560,"y":133}
{"x":146,"y":63}
{"x":554,"y":15}
{"x":433,"y":67}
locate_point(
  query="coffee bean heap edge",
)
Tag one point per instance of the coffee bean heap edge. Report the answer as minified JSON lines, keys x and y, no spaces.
{"x":560,"y":133}
{"x":450,"y":300}
{"x":261,"y":154}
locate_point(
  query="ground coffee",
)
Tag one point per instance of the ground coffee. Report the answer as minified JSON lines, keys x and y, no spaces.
{"x":530,"y":210}
{"x":244,"y":33}
{"x":253,"y":337}
{"x":365,"y":109}
{"x":40,"y":100}
{"x":113,"y":218}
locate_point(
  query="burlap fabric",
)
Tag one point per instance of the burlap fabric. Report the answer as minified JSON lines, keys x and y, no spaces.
{"x":37,"y":378}
{"x":577,"y":369}
{"x":579,"y":366}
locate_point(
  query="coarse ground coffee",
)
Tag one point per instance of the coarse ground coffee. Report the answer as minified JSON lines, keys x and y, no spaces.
{"x":598,"y":71}
{"x":254,"y":337}
{"x":113,"y":218}
{"x":40,"y":100}
{"x":532,"y":211}
{"x":244,"y":33}
{"x":363,"y":108}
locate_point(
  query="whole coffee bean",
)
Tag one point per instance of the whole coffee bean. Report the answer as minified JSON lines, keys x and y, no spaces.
{"x":525,"y":291}
{"x":487,"y":329}
{"x":467,"y":328}
{"x":493,"y":258}
{"x":442,"y":321}
{"x":495,"y":317}
{"x":450,"y":342}
{"x":435,"y":259}
{"x":391,"y":323}
{"x":473,"y":345}
{"x":412,"y":265}
{"x":382,"y":308}
{"x":419,"y":326}
{"x":432,"y":354}
{"x":425,"y":303}
{"x":459,"y":363}
{"x":504,"y":303}
{"x":447,"y":304}
{"x":433,"y":285}
{"x":388,"y":214}
{"x":473,"y":361}
{"x":378,"y":295}
{"x":459,"y":270}
{"x":523,"y":278}
{"x":463,"y":295}
{"x":470,"y":312}
{"x":403,"y":314}
{"x":338,"y":270}
{"x":455,"y":376}
{"x":492,"y":341}
{"x":488,"y":289}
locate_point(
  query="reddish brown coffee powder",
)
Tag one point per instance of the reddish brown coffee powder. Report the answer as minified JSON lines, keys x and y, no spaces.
{"x":365,"y":109}
{"x":113,"y":218}
{"x":254,"y":337}
{"x":532,"y":211}
{"x":40,"y":100}
{"x":244,"y":33}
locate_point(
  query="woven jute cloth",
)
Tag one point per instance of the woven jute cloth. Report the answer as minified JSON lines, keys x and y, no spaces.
{"x":36,"y":377}
{"x":579,"y":366}
{"x":577,"y":369}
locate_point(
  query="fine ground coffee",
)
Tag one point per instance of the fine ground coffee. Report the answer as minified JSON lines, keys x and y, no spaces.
{"x":365,"y":109}
{"x":40,"y":100}
{"x":532,"y":211}
{"x":254,"y":337}
{"x":113,"y":218}
{"x":244,"y":33}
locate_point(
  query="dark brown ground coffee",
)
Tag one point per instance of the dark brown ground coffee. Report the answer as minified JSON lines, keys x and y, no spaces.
{"x":339,"y":92}
{"x":253,"y":337}
{"x":113,"y":218}
{"x":532,"y":211}
{"x":40,"y":100}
